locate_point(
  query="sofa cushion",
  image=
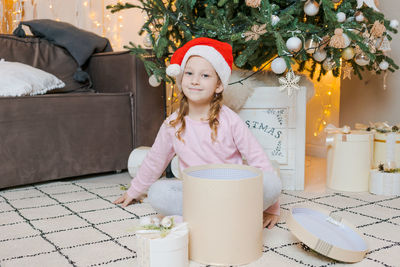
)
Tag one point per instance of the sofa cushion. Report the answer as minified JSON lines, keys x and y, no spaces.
{"x":39,"y":53}
{"x":19,"y":79}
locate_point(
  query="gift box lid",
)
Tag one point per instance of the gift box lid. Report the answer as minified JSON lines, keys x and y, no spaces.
{"x":354,"y":136}
{"x":328,"y":234}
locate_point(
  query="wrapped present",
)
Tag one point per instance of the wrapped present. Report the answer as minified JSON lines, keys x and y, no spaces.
{"x":386,"y":143}
{"x":223,"y":205}
{"x":384,"y":183}
{"x":349,"y":159}
{"x":387,"y":149}
{"x":157,"y":248}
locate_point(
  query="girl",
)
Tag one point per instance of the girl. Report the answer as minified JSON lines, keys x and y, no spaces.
{"x":202,"y":131}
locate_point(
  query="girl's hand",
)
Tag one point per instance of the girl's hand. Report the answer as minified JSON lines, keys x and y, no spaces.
{"x":270,"y":220}
{"x":124,"y":199}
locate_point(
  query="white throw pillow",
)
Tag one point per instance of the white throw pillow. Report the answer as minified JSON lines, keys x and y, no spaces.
{"x":17,"y":79}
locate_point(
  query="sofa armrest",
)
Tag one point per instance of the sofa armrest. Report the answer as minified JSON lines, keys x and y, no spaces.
{"x":114,"y":72}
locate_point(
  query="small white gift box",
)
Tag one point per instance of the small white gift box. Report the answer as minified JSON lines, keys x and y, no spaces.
{"x":386,"y":148}
{"x":327,"y":233}
{"x":349,"y":160}
{"x":383,"y":183}
{"x":153,"y":250}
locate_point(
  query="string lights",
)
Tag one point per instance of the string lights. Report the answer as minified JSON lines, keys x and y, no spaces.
{"x":90,"y":15}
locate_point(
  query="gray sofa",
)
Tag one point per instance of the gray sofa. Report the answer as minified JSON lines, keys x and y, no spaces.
{"x":59,"y":134}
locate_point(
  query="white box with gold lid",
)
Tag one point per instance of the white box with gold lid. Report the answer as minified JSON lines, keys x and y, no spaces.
{"x":349,"y":160}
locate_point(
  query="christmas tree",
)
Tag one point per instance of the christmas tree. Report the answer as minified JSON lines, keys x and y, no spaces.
{"x":351,"y":34}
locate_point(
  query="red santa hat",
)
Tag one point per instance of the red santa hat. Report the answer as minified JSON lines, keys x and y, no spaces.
{"x":219,"y":54}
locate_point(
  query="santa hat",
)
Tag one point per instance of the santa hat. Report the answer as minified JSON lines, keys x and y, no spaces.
{"x":219,"y":54}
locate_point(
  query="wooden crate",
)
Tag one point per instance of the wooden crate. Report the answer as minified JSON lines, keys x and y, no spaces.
{"x":278,"y":122}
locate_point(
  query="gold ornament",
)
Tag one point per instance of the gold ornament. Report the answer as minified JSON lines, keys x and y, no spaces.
{"x":378,"y":29}
{"x":346,"y":70}
{"x":253,"y":3}
{"x":310,"y":46}
{"x":337,"y":40}
{"x":348,"y":53}
{"x":255,"y":33}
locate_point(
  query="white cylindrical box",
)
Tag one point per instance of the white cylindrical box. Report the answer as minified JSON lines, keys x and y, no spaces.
{"x":156,"y":251}
{"x":349,"y":161}
{"x":381,"y":149}
{"x":383,"y":183}
{"x":223,"y":206}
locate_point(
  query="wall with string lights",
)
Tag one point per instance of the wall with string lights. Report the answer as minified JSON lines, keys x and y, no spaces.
{"x":90,"y":15}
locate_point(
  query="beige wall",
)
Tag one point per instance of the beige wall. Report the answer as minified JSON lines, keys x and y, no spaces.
{"x":366,"y":100}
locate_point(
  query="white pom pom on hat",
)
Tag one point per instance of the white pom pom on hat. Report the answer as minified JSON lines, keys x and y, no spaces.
{"x":173,"y":70}
{"x":218,"y":53}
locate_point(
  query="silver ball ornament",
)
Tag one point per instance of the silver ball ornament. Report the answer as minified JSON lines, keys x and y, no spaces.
{"x":294,"y":44}
{"x":153,"y":81}
{"x":311,"y":8}
{"x":147,"y":41}
{"x":329,"y":64}
{"x":310,"y":46}
{"x":341,"y":17}
{"x":278,"y":65}
{"x":319,"y":55}
{"x":362,"y":59}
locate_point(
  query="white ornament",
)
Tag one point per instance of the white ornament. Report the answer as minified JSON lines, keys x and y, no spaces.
{"x":294,"y":44}
{"x":147,"y":41}
{"x":278,"y":65}
{"x":369,"y":3}
{"x":274,"y":20}
{"x":290,"y":83}
{"x":394,"y":23}
{"x":383,"y":44}
{"x":166,"y":222}
{"x":341,"y":17}
{"x":360,"y":17}
{"x":153,"y":81}
{"x":329,"y":64}
{"x":384,"y":65}
{"x":311,"y":8}
{"x":319,"y":55}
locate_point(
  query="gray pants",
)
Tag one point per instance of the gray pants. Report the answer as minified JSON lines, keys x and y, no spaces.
{"x":165,"y":196}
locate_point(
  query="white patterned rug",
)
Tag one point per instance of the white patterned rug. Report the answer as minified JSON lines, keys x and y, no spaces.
{"x":76,"y":224}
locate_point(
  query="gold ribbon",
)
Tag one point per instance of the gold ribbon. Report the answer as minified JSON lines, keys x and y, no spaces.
{"x":384,"y":141}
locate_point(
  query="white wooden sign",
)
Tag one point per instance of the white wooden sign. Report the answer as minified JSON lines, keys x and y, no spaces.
{"x":270,"y":126}
{"x":278,"y":122}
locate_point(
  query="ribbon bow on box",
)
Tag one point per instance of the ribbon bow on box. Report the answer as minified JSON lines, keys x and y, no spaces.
{"x":330,"y":129}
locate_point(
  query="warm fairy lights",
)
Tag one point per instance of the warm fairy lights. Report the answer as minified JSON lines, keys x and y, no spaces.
{"x":101,"y":21}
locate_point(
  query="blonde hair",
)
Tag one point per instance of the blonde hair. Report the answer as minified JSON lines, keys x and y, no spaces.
{"x":213,"y":114}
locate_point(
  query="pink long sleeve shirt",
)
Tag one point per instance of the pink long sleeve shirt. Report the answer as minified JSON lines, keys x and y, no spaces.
{"x":234,"y":140}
